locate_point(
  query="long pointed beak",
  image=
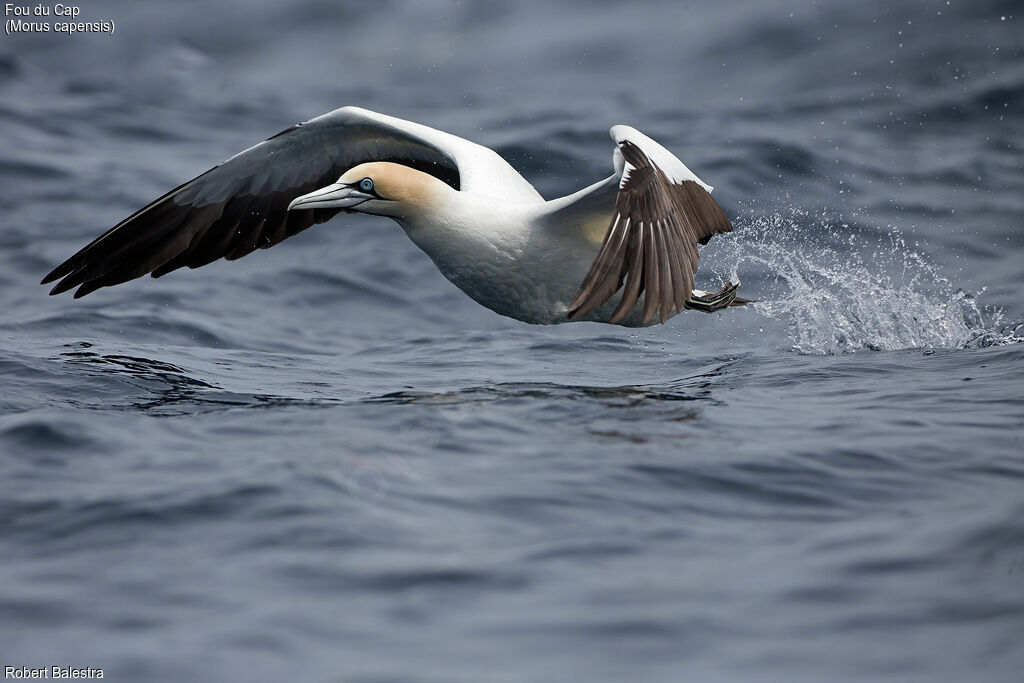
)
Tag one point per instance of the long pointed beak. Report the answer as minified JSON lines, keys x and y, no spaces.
{"x":335,"y":196}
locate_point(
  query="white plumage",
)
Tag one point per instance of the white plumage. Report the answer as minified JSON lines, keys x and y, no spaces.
{"x":484,"y":225}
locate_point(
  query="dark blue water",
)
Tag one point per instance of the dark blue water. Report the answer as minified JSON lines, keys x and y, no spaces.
{"x":323,"y":462}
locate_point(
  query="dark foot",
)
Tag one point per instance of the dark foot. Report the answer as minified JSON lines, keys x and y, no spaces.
{"x":709,"y":303}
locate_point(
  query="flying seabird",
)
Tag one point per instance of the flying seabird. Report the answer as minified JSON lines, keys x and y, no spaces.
{"x":591,"y":255}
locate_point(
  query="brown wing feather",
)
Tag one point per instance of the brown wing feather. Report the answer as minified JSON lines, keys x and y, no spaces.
{"x":651,"y":244}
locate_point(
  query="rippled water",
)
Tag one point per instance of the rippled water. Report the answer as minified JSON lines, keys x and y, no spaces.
{"x":323,"y":462}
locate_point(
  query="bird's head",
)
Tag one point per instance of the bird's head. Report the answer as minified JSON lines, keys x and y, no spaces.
{"x":377,"y":187}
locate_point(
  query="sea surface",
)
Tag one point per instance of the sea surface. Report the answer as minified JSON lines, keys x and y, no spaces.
{"x":325,"y":463}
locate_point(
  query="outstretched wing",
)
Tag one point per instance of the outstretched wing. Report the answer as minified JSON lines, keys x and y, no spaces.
{"x":662,"y":212}
{"x":242,"y":204}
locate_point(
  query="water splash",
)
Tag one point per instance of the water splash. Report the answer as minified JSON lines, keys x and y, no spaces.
{"x":839,"y":293}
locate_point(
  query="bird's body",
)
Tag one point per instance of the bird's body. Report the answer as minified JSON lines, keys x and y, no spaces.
{"x":587,"y":256}
{"x":501,"y":253}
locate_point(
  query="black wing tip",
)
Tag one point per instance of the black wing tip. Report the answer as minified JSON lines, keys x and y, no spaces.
{"x":62,"y":286}
{"x":57,"y":273}
{"x":72,"y":277}
{"x":87,"y":288}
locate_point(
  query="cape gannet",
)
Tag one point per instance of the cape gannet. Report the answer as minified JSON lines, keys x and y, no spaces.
{"x":589,"y":256}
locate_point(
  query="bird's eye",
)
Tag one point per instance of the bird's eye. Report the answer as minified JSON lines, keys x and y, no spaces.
{"x":366,"y":185}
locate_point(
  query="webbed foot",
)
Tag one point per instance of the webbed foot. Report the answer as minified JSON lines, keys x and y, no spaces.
{"x":709,"y":303}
